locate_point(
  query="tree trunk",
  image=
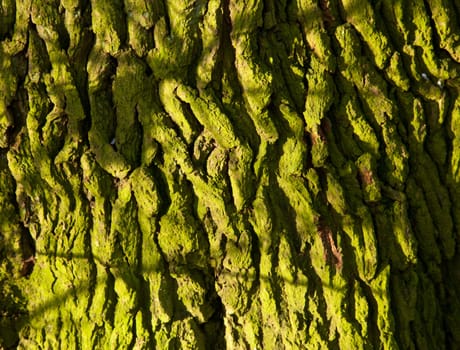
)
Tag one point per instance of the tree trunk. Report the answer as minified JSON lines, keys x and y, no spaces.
{"x":230,"y":174}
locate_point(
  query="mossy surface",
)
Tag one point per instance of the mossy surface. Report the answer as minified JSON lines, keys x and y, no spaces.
{"x":220,"y":174}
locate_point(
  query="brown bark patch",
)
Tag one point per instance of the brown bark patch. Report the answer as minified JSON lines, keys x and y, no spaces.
{"x":328,"y":18}
{"x":332,"y":254}
{"x":366,"y":176}
{"x":27,"y":266}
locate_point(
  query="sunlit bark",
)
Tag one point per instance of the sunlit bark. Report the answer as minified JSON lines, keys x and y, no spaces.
{"x":230,"y":174}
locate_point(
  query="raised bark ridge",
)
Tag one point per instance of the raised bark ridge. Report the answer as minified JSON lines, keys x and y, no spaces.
{"x":230,"y":174}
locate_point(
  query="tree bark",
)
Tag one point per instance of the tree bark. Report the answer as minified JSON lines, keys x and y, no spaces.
{"x":230,"y":174}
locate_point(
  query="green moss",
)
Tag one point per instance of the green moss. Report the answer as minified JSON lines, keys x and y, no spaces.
{"x":139,"y":38}
{"x":260,"y":219}
{"x":124,"y":314}
{"x":176,"y":38}
{"x":6,"y":122}
{"x":335,"y":194}
{"x":137,"y":260}
{"x":367,"y":257}
{"x":317,"y":339}
{"x":420,"y":35}
{"x":7,"y":16}
{"x":270,"y":314}
{"x":189,"y":245}
{"x":73,"y":24}
{"x":443,"y":15}
{"x":234,"y":292}
{"x":396,"y":72}
{"x":254,"y":77}
{"x":385,"y":320}
{"x":369,"y":182}
{"x":320,"y":94}
{"x":143,"y":338}
{"x":247,"y":16}
{"x":428,"y":178}
{"x":286,"y":53}
{"x":216,"y":163}
{"x":10,"y":216}
{"x":167,"y":46}
{"x":103,"y":117}
{"x":206,"y":109}
{"x":418,"y":124}
{"x":317,"y":37}
{"x":424,"y":228}
{"x":145,"y":191}
{"x":300,"y":200}
{"x":314,"y":186}
{"x":162,"y":306}
{"x":403,"y":232}
{"x":320,"y":148}
{"x":210,"y":29}
{"x":124,"y":217}
{"x":13,"y":309}
{"x":437,"y":147}
{"x":404,"y":291}
{"x":108,"y":24}
{"x":176,"y":109}
{"x":142,"y":11}
{"x":455,"y":132}
{"x":21,"y":22}
{"x":357,"y":68}
{"x":397,"y":168}
{"x":45,"y":14}
{"x":294,"y":290}
{"x":186,"y":334}
{"x":361,"y":307}
{"x":363,"y":18}
{"x":294,"y":150}
{"x":128,"y":89}
{"x":343,"y":134}
{"x":427,"y":334}
{"x":8,"y":85}
{"x":340,"y":329}
{"x":193,"y":292}
{"x":251,"y":328}
{"x":242,"y":183}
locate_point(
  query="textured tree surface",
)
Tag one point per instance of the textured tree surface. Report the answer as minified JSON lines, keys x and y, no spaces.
{"x":263,"y":174}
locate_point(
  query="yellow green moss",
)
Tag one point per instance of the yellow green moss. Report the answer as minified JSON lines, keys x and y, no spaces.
{"x":424,"y":228}
{"x":8,"y":85}
{"x":208,"y":113}
{"x":292,"y":161}
{"x":370,"y":184}
{"x":317,"y":37}
{"x":385,"y":322}
{"x":444,"y":16}
{"x":363,"y":18}
{"x":128,"y":88}
{"x":239,"y":170}
{"x":210,"y":29}
{"x":18,"y":40}
{"x":320,"y":94}
{"x":103,"y":116}
{"x":108,"y":24}
{"x":175,"y":109}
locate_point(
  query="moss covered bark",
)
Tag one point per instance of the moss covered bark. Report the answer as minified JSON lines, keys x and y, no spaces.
{"x":229,"y":174}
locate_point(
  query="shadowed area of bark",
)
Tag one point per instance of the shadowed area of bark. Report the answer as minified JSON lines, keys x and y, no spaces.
{"x":217,"y":174}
